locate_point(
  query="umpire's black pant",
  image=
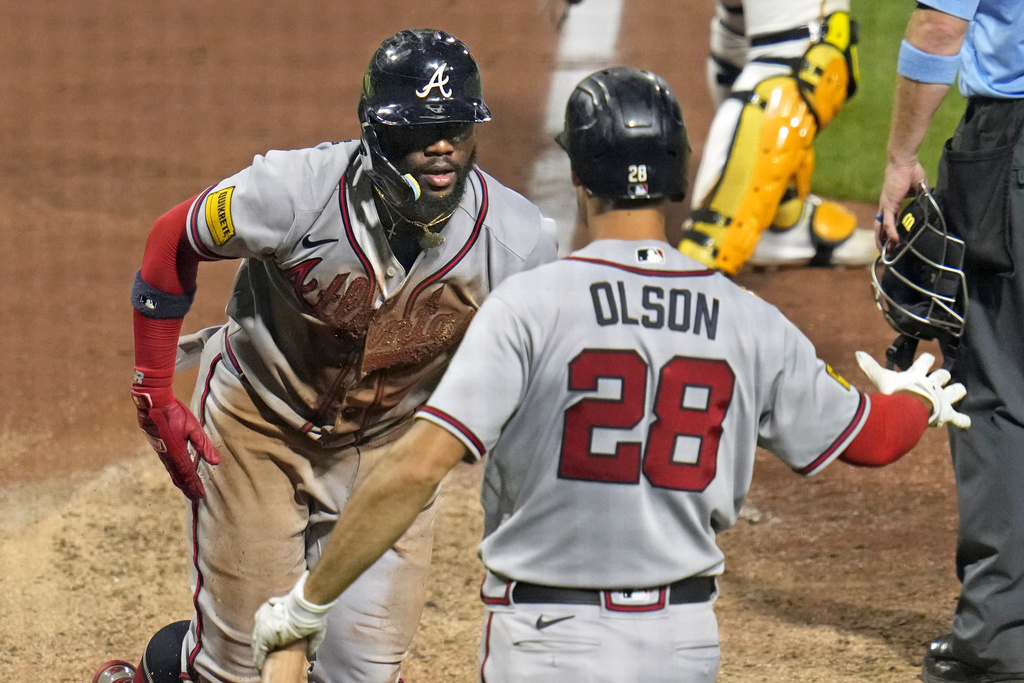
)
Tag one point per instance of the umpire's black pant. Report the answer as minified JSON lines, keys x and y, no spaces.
{"x":981,"y":180}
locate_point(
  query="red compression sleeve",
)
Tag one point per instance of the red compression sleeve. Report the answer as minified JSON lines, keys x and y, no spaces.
{"x":169,"y":262}
{"x":171,"y":265}
{"x":894,"y":426}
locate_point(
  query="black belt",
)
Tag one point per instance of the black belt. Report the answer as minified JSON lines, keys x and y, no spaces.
{"x":693,"y":589}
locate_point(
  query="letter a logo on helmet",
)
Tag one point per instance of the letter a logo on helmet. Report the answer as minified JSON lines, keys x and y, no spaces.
{"x":439,"y":81}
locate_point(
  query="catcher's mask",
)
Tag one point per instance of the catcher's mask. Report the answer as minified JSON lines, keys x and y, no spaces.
{"x":919,"y":283}
{"x":625,"y":136}
{"x":416,"y":77}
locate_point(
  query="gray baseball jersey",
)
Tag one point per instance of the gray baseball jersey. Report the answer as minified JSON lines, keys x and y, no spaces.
{"x":328,"y":330}
{"x":325,"y":323}
{"x":620,"y":395}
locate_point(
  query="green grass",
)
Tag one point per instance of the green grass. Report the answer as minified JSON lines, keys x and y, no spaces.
{"x":850,"y":152}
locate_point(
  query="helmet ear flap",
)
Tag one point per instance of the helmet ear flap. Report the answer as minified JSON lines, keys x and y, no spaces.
{"x":919,"y":284}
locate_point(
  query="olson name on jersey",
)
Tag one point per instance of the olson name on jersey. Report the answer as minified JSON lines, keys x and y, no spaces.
{"x":678,"y":309}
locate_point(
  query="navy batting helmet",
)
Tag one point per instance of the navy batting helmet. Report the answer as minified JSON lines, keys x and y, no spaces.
{"x":625,"y":136}
{"x":919,"y":284}
{"x":416,"y":77}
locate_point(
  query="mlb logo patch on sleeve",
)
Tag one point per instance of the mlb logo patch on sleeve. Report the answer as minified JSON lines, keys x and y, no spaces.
{"x":218,"y":215}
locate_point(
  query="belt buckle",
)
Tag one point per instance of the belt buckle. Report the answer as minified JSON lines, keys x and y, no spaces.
{"x":641,"y":600}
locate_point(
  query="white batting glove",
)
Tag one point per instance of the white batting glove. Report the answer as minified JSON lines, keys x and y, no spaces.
{"x":283,"y":620}
{"x":917,"y":380}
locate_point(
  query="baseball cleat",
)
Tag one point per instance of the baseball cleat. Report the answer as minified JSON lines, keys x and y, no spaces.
{"x":825,"y":235}
{"x":115,"y":671}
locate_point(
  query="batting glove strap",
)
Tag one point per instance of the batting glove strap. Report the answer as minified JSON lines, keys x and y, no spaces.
{"x":932,"y":387}
{"x":283,"y":620}
{"x":145,"y":398}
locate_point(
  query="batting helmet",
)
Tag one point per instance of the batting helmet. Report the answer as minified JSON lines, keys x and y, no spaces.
{"x":919,"y":284}
{"x":416,"y":77}
{"x":625,"y":136}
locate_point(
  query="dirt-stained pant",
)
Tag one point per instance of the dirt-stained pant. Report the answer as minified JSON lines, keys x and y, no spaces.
{"x":269,"y":507}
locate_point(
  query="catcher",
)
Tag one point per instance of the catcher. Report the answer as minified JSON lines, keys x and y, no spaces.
{"x":780,"y":73}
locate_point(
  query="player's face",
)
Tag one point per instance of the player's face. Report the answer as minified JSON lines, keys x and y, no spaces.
{"x":439,"y":157}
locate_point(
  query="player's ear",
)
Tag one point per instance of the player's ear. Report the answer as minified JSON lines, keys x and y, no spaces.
{"x":575,"y":179}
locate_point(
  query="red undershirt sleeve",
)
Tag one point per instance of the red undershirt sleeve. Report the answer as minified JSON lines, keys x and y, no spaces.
{"x":171,"y":265}
{"x":894,"y":426}
{"x":169,"y":262}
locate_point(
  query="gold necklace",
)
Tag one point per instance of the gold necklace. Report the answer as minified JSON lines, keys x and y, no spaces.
{"x":429,"y":239}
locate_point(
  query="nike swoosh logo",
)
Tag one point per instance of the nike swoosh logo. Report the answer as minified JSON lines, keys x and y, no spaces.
{"x":312,"y":244}
{"x":543,"y":623}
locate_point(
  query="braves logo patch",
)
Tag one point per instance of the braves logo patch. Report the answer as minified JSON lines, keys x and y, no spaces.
{"x":439,"y":80}
{"x":218,"y":215}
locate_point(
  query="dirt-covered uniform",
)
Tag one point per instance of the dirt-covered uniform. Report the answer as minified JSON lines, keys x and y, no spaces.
{"x":329,"y":347}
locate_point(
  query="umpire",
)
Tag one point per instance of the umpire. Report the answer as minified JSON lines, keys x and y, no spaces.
{"x":981,"y":187}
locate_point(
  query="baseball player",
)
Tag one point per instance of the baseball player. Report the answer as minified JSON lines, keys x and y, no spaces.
{"x":619,"y":395}
{"x":362,"y":265}
{"x":779,"y":72}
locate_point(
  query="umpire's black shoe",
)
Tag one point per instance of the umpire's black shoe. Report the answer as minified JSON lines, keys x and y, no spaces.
{"x":940,"y":666}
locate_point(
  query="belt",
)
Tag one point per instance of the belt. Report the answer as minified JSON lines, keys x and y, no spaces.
{"x":693,"y":589}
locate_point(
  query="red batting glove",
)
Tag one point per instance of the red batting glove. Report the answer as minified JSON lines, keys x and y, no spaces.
{"x":176,"y":436}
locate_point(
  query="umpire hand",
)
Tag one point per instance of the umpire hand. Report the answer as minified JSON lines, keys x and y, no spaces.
{"x":176,"y":436}
{"x":931,"y":387}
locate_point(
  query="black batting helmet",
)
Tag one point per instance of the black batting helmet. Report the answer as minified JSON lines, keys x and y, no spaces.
{"x":416,"y":77}
{"x":919,"y":283}
{"x":625,"y":136}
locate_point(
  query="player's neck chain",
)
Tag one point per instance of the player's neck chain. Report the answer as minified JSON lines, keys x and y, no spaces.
{"x":427,"y":240}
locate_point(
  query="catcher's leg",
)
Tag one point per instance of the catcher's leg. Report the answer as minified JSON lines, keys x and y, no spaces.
{"x":770,"y":144}
{"x":816,"y":232}
{"x":759,"y":145}
{"x":729,"y":45}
